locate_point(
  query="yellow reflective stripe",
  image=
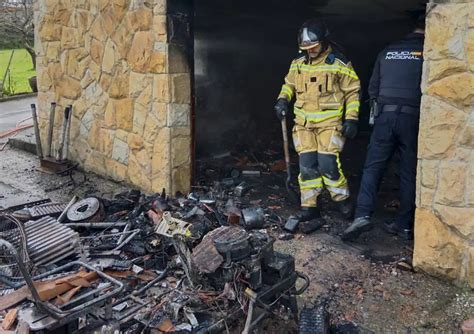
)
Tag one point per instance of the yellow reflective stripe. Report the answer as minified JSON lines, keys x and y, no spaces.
{"x":299,"y":112}
{"x":354,"y":104}
{"x":310,"y":184}
{"x":325,"y":68}
{"x":342,"y":179}
{"x":356,"y":110}
{"x":341,"y":69}
{"x":335,"y":184}
{"x":318,"y":116}
{"x":287,"y":90}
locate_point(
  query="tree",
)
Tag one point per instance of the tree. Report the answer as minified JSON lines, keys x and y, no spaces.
{"x":16,"y":21}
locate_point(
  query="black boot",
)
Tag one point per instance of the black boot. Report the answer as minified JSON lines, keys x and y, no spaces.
{"x":307,"y":213}
{"x":359,"y":226}
{"x":392,"y":228}
{"x":346,"y":208}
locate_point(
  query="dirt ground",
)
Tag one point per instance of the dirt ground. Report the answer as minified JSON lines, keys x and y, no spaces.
{"x":360,"y":282}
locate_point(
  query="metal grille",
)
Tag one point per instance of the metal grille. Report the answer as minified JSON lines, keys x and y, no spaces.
{"x":47,"y":241}
{"x":50,"y":241}
{"x":47,"y":209}
{"x":12,"y":229}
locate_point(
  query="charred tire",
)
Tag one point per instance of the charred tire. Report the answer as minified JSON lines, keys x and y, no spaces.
{"x":314,"y":321}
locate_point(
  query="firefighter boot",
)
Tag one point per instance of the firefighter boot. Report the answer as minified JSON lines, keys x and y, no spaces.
{"x":359,"y":226}
{"x":308,"y":213}
{"x":346,"y":208}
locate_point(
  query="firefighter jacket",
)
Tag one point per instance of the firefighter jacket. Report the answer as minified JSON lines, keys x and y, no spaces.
{"x":325,"y":88}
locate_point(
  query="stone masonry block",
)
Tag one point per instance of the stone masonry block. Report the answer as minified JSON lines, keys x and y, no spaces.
{"x":181,"y":88}
{"x":160,"y":7}
{"x":444,"y":36}
{"x":161,"y":153}
{"x":437,"y":250}
{"x":161,"y":88}
{"x":470,"y":268}
{"x":452,"y":183}
{"x":467,"y":136}
{"x":456,"y":89}
{"x":459,"y":218}
{"x":124,"y":114}
{"x":177,"y":60}
{"x":440,"y":123}
{"x":181,"y":179}
{"x":429,"y":173}
{"x":120,"y":151}
{"x":178,"y":115}
{"x":470,"y":185}
{"x":469,"y":46}
{"x":181,"y":151}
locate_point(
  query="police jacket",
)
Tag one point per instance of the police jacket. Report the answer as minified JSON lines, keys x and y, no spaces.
{"x":324,"y":88}
{"x":396,"y":78}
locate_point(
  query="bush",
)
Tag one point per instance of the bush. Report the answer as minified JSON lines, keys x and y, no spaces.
{"x":9,"y":42}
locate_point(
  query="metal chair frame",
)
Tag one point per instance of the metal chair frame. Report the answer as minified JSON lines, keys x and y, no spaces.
{"x":76,"y":307}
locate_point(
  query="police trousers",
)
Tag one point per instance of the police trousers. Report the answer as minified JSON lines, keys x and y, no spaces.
{"x":392,"y":131}
{"x":320,"y":167}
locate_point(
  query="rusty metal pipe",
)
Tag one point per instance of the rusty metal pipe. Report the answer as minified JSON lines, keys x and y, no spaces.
{"x":68,"y":130}
{"x":66,"y":209}
{"x":52,"y":113}
{"x":39,"y":149}
{"x":59,"y":156}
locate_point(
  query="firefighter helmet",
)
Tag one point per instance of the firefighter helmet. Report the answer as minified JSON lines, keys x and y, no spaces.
{"x":311,"y":33}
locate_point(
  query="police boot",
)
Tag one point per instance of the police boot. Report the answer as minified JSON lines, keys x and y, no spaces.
{"x":359,"y":226}
{"x":392,"y":228}
{"x":346,"y":208}
{"x":307,"y":213}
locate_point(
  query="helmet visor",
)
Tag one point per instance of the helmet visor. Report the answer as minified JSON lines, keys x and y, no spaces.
{"x":307,"y":39}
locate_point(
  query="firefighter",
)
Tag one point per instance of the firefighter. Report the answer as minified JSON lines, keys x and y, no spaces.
{"x":395,"y":93}
{"x":326,"y":91}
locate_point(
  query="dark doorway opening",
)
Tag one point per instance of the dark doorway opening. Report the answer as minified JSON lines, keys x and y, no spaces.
{"x":243,"y":50}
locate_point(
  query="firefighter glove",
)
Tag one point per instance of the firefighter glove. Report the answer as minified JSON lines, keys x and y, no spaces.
{"x":281,"y":108}
{"x":349,"y":129}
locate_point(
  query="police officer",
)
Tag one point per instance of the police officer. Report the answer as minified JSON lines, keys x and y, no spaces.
{"x":395,"y":91}
{"x":326,"y":110}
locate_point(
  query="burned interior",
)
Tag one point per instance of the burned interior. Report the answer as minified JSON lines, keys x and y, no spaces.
{"x":245,"y":48}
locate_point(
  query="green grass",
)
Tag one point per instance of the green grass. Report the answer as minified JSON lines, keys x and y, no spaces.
{"x":20,"y":70}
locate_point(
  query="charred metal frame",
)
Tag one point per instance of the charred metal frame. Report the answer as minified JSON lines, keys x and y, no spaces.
{"x":63,"y":314}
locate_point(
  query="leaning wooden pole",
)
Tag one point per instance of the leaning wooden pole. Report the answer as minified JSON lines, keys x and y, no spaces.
{"x":6,"y":71}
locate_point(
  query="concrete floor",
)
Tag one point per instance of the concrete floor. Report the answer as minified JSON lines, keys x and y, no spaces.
{"x":21,"y":181}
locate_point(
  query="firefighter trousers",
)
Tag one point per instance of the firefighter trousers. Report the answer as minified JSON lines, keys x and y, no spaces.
{"x":320,"y":166}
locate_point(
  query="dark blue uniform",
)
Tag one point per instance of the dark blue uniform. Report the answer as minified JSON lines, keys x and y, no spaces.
{"x":395,"y":85}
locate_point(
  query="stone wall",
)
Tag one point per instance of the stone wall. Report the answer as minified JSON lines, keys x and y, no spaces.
{"x":444,"y":232}
{"x":129,"y":87}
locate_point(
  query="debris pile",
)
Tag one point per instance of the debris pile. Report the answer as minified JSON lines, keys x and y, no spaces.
{"x":198,"y":263}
